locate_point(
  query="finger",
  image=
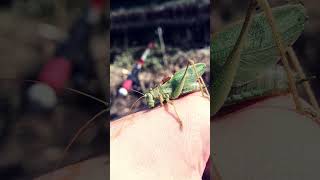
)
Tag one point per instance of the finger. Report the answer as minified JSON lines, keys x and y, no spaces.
{"x":259,"y":140}
{"x":153,"y":138}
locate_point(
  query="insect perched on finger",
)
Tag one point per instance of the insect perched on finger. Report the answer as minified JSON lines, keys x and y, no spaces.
{"x":184,"y":81}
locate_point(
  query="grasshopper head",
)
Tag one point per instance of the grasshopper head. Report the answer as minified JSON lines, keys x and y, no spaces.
{"x":149,"y":99}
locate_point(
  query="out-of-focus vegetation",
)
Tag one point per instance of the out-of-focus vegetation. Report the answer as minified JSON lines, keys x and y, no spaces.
{"x":33,"y":142}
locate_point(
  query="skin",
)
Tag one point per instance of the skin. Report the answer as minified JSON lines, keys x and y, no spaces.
{"x":266,"y":140}
{"x":152,"y":146}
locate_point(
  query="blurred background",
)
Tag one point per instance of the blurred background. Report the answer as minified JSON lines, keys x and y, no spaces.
{"x":306,"y":47}
{"x":61,"y":43}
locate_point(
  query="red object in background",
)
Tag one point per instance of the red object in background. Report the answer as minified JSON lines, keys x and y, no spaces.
{"x":98,"y":4}
{"x":133,"y":76}
{"x":127,"y":84}
{"x":151,"y":45}
{"x":140,"y":61}
{"x":55,"y":73}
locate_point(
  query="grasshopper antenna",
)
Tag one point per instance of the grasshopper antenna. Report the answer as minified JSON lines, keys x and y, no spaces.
{"x":87,"y":95}
{"x":135,"y":102}
{"x":123,"y":124}
{"x":67,"y":88}
{"x":137,"y":91}
{"x":75,"y":91}
{"x":79,"y":132}
{"x":84,"y":127}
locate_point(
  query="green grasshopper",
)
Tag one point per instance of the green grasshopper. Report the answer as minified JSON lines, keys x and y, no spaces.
{"x":186,"y":80}
{"x":242,"y":57}
{"x":238,"y":58}
{"x":182,"y":82}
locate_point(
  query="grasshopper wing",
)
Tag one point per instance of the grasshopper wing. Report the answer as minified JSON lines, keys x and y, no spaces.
{"x":259,"y":52}
{"x":190,"y":84}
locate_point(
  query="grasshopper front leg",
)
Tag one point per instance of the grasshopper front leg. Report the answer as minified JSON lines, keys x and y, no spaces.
{"x":175,"y":110}
{"x":176,"y":93}
{"x":200,"y":80}
{"x":166,"y":98}
{"x":223,"y":82}
{"x":178,"y":90}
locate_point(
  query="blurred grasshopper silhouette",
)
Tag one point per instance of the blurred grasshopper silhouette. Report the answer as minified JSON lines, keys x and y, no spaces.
{"x":244,"y":59}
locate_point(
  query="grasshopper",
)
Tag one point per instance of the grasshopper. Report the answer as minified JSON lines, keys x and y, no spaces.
{"x":184,"y":81}
{"x":241,"y":56}
{"x":238,"y":58}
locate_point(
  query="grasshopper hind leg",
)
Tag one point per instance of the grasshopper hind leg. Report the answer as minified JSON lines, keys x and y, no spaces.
{"x":203,"y":87}
{"x":311,"y":113}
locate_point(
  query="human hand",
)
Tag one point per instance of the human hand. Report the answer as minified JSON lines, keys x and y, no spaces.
{"x":152,"y":146}
{"x":268,"y":139}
